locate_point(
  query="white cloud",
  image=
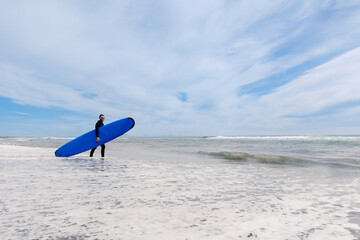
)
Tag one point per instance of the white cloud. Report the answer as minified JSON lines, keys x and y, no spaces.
{"x":19,"y":85}
{"x":332,"y":83}
{"x":134,"y":58}
{"x":320,"y":89}
{"x":23,"y":113}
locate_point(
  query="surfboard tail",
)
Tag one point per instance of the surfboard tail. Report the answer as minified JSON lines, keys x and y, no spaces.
{"x":57,"y":153}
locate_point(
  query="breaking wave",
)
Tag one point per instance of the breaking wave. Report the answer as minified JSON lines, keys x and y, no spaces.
{"x":58,"y":138}
{"x":299,"y":138}
{"x":272,"y":159}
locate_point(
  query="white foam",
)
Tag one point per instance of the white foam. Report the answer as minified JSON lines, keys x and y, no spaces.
{"x":305,"y":138}
{"x":60,"y":138}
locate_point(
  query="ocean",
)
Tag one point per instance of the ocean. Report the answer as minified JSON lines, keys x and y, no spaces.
{"x":245,"y":187}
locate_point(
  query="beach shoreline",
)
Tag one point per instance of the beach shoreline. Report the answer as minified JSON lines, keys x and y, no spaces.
{"x":159,"y":193}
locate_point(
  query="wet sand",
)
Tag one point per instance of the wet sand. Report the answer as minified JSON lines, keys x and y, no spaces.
{"x":150,"y":194}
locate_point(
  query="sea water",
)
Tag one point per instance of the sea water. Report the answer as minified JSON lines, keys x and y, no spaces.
{"x":258,"y":187}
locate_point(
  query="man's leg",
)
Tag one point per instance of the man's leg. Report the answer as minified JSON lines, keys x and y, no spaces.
{"x":92,"y":152}
{"x":103,"y":150}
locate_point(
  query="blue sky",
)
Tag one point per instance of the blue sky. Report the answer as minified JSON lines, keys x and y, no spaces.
{"x":190,"y":68}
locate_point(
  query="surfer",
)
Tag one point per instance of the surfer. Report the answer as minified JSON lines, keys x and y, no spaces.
{"x":97,"y":126}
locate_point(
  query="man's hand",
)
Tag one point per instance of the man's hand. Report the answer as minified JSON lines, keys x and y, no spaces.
{"x":97,"y":139}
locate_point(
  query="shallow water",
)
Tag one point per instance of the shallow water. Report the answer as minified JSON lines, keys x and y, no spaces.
{"x":182,"y":188}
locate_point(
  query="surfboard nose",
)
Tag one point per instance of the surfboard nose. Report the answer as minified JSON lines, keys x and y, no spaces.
{"x":133,"y":121}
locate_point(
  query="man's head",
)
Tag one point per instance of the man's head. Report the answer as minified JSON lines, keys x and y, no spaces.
{"x":102,"y":117}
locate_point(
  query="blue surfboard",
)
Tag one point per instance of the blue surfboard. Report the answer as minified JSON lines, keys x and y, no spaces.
{"x":87,"y":141}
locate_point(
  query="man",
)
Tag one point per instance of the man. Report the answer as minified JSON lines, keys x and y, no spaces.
{"x":97,"y":126}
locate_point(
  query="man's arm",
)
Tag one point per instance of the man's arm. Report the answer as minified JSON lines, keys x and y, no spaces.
{"x":97,"y":131}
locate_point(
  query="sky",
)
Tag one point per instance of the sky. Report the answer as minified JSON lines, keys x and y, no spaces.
{"x":180,"y":68}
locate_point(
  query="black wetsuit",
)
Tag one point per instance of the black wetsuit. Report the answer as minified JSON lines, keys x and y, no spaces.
{"x":97,"y":126}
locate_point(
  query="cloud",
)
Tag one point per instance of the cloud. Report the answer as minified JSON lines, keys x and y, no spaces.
{"x":223,"y":60}
{"x":329,"y":91}
{"x":324,"y":86}
{"x":23,"y":113}
{"x":19,"y":85}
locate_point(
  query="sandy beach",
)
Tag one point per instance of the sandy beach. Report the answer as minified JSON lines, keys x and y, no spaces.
{"x":139,"y":191}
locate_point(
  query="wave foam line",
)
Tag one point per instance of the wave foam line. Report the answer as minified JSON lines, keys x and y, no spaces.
{"x":304,"y":138}
{"x":272,"y":159}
